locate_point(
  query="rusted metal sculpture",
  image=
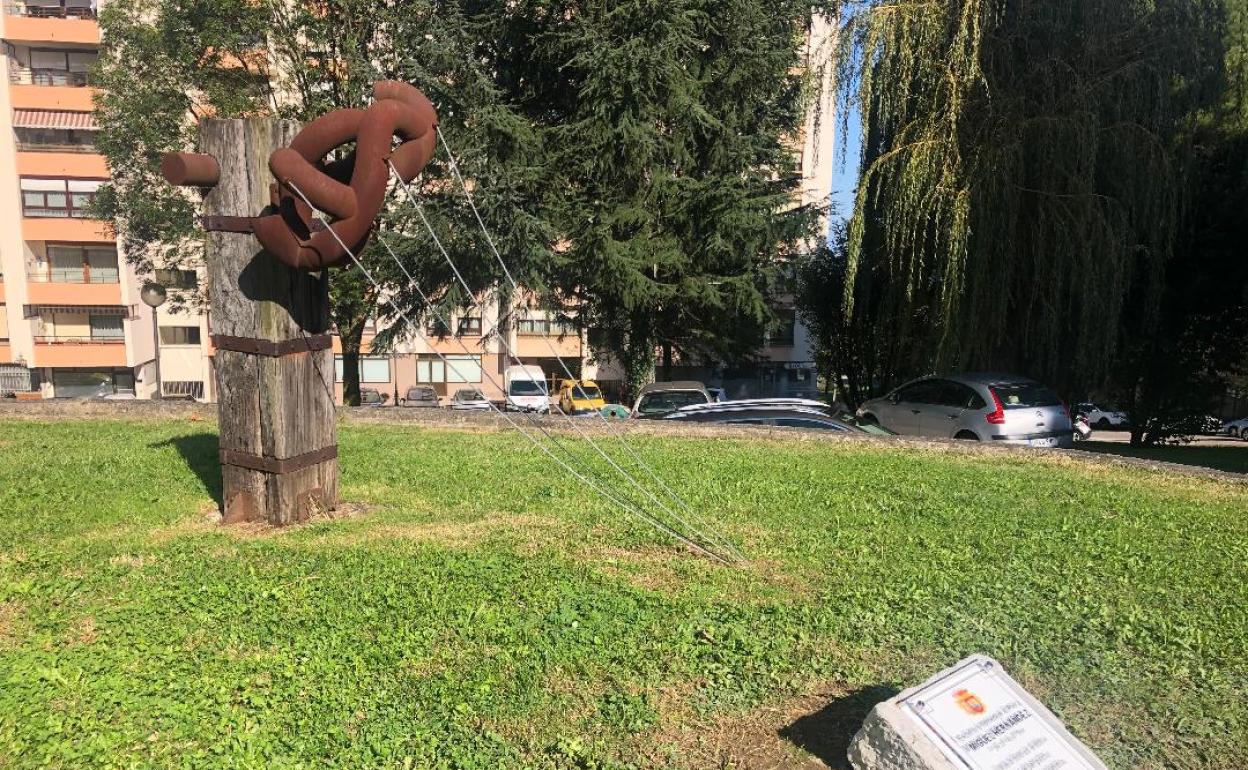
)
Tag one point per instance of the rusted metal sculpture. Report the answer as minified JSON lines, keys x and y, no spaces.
{"x":351,"y":190}
{"x":270,"y":319}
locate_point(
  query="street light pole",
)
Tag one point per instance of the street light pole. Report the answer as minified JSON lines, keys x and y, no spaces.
{"x":154,"y":295}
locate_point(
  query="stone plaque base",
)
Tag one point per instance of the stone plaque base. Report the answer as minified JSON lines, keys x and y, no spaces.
{"x":971,"y":716}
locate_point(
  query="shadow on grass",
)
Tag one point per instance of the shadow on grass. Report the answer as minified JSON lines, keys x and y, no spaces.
{"x":1224,"y":455}
{"x":200,"y":452}
{"x":828,"y":732}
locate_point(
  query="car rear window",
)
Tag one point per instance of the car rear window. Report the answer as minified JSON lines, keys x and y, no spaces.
{"x":1025,"y":396}
{"x":586,"y":393}
{"x":669,"y":401}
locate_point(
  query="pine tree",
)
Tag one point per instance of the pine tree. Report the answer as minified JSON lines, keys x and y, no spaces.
{"x":665,"y":128}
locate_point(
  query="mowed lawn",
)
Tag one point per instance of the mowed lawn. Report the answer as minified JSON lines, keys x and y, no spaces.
{"x":478,"y":609}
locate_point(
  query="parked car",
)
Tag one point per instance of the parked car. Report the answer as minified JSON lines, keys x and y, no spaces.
{"x":580,"y":397}
{"x":469,"y":400}
{"x":1237,"y":428}
{"x":1101,"y":418}
{"x":975,"y":407}
{"x":777,"y":413}
{"x":797,"y":403}
{"x":373,"y":398}
{"x":526,"y":389}
{"x":661,"y":398}
{"x":420,"y":397}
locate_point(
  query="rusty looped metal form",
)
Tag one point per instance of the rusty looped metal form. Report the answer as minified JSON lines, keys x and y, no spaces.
{"x":351,"y":190}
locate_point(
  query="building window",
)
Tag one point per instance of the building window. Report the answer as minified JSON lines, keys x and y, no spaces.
{"x":177,"y":279}
{"x":55,"y":140}
{"x":544,"y":327}
{"x":461,"y":369}
{"x":784,"y":333}
{"x":179,"y":335}
{"x":72,"y":383}
{"x":106,"y":327}
{"x":56,"y":67}
{"x":4,"y":324}
{"x":468,"y":326}
{"x":372,"y":369}
{"x":58,"y":198}
{"x":78,"y":264}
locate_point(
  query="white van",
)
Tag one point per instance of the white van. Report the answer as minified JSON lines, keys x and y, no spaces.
{"x":526,"y":389}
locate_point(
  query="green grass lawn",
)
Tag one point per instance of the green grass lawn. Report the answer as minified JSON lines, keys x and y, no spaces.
{"x":480,"y":611}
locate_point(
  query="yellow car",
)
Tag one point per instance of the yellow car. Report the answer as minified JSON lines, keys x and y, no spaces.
{"x":582,"y":396}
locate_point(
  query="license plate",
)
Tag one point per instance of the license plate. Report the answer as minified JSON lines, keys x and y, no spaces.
{"x":1043,"y":442}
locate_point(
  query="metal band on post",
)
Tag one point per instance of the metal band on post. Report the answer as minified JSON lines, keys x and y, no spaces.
{"x":276,"y":466}
{"x":270,"y":348}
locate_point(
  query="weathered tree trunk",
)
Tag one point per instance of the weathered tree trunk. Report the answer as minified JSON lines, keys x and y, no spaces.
{"x":667,"y":361}
{"x":270,"y":324}
{"x":352,"y":341}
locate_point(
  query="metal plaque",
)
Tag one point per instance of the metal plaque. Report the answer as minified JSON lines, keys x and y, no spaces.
{"x":984,"y":720}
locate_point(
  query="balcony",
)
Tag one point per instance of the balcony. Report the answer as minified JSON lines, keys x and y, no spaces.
{"x":69,"y":22}
{"x":60,"y":164}
{"x":80,"y":351}
{"x":48,"y":78}
{"x":74,"y":287}
{"x":62,"y":351}
{"x":50,"y":10}
{"x":51,"y":89}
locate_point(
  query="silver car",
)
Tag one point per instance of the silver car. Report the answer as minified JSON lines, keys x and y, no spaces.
{"x":975,"y":407}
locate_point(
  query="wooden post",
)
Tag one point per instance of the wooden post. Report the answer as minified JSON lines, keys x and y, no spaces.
{"x":270,"y":329}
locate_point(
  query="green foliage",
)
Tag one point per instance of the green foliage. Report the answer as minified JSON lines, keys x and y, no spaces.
{"x":671,"y":184}
{"x":167,"y":63}
{"x":502,"y":618}
{"x":1023,"y":175}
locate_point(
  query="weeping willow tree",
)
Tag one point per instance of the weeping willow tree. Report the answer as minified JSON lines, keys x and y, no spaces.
{"x":1022,"y":175}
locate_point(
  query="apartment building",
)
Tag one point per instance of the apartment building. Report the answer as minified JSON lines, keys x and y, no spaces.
{"x":71,"y":320}
{"x":471,"y":355}
{"x":72,"y":323}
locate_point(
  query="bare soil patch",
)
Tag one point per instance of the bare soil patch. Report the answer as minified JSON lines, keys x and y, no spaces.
{"x":810,"y":730}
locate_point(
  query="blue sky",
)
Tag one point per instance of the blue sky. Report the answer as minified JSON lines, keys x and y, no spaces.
{"x":845,"y":174}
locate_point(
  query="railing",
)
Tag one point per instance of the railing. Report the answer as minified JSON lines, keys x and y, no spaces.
{"x":80,"y":340}
{"x":49,"y":11}
{"x":14,"y":379}
{"x":537,"y":327}
{"x":42,"y":77}
{"x":88,"y":147}
{"x":181,"y":389}
{"x":76,"y":275}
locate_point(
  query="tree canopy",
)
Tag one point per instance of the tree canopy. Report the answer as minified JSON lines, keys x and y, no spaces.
{"x":643,"y":187}
{"x":1023,"y":174}
{"x":165,"y":64}
{"x":670,"y":151}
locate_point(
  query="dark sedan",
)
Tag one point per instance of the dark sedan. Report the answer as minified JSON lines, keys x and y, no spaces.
{"x":779,"y":414}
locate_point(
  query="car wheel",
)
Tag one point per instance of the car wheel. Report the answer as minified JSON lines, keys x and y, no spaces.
{"x":1103,"y":424}
{"x":966,"y":435}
